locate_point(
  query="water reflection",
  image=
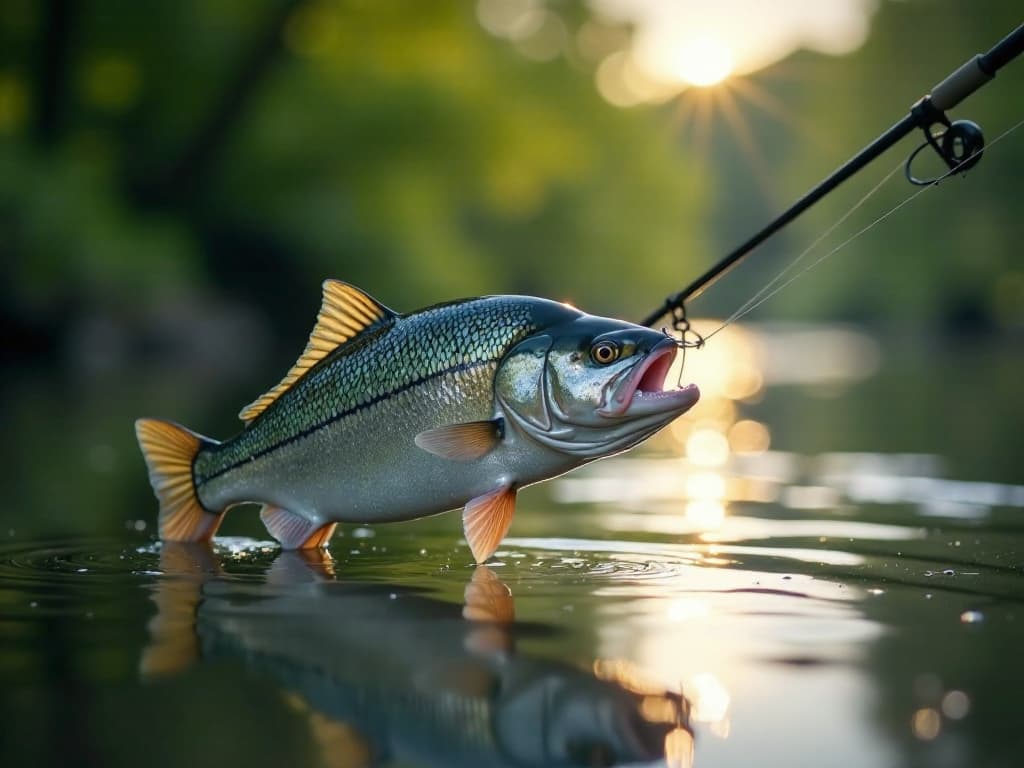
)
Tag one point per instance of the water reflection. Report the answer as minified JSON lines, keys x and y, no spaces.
{"x":718,"y":456}
{"x":383,"y":672}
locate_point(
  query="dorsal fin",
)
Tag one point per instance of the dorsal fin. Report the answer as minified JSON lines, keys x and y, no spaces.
{"x":345,"y":313}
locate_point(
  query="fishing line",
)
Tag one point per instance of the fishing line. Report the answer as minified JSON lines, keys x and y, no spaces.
{"x":752,"y":301}
{"x":761,"y":296}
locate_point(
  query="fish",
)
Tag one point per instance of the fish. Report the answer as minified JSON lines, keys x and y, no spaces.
{"x":388,"y":417}
{"x":388,"y":673}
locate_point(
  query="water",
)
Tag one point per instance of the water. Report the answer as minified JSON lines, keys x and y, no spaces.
{"x":821,"y":567}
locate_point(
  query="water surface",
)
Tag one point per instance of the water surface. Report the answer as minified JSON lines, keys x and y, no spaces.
{"x":820,"y":567}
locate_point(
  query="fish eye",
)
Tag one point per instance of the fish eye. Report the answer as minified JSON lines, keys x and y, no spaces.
{"x":604,"y":352}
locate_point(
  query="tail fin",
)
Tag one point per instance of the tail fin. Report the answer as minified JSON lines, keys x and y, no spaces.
{"x":173,"y":644}
{"x":169,"y":450}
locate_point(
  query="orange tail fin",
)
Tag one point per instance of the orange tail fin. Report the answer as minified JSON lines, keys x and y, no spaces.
{"x":169,"y":450}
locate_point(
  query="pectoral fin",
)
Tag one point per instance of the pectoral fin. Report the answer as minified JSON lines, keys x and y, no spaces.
{"x":461,"y":442}
{"x":486,"y":520}
{"x":295,"y":531}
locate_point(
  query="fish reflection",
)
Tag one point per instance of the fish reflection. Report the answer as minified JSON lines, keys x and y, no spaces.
{"x":387,"y":673}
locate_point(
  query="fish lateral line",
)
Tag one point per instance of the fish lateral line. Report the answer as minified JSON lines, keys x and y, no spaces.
{"x":377,"y":400}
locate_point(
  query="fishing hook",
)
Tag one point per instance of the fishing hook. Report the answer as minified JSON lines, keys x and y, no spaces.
{"x":681,"y":325}
{"x":688,"y":337}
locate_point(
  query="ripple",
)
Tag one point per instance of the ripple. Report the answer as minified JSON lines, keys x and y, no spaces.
{"x":55,"y":563}
{"x":81,"y":577}
{"x":597,"y":561}
{"x":60,"y":575}
{"x":45,"y":576}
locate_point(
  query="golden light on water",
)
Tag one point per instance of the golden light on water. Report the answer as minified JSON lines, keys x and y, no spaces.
{"x":749,"y":437}
{"x":709,"y":697}
{"x":687,"y":609}
{"x":707,"y":447}
{"x":716,"y":455}
{"x":705,"y":514}
{"x":679,"y":748}
{"x":628,"y":675}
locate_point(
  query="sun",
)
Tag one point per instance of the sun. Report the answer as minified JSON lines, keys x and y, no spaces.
{"x":702,"y":61}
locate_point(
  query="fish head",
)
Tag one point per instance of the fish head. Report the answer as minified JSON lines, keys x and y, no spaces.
{"x":591,"y":386}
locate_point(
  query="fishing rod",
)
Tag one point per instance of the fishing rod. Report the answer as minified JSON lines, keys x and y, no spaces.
{"x":959,"y":143}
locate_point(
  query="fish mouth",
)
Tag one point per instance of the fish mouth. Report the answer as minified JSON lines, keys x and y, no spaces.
{"x":642,"y":390}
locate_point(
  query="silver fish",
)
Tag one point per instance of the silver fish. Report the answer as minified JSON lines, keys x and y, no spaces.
{"x":392,"y":417}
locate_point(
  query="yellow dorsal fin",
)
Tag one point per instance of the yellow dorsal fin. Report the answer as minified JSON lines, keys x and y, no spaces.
{"x":345,"y":313}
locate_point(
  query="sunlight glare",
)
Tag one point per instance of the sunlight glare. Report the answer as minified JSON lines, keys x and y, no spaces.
{"x":707,"y":448}
{"x":702,"y":61}
{"x":683,"y":43}
{"x":710,"y":698}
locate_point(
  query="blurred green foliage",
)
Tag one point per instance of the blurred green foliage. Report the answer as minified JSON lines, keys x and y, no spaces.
{"x":258,"y":148}
{"x":948,"y":260}
{"x":245,"y":151}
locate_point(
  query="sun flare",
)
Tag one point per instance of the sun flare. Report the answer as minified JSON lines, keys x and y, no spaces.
{"x":702,"y":61}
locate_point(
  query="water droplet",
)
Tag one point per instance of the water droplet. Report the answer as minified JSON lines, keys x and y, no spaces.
{"x":928,"y":596}
{"x":876,"y":591}
{"x":363,"y":533}
{"x":33,"y":604}
{"x":82,"y":570}
{"x":972,"y":617}
{"x":929,"y":573}
{"x":949,"y":572}
{"x":423,"y":551}
{"x":393,"y":596}
{"x":956,"y":705}
{"x":956,"y":543}
{"x":140,"y":525}
{"x":926,"y":724}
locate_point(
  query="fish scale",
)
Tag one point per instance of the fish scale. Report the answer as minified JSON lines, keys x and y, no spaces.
{"x":463,"y":334}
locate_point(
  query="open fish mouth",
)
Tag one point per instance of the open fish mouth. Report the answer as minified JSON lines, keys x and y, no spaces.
{"x":641,"y":391}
